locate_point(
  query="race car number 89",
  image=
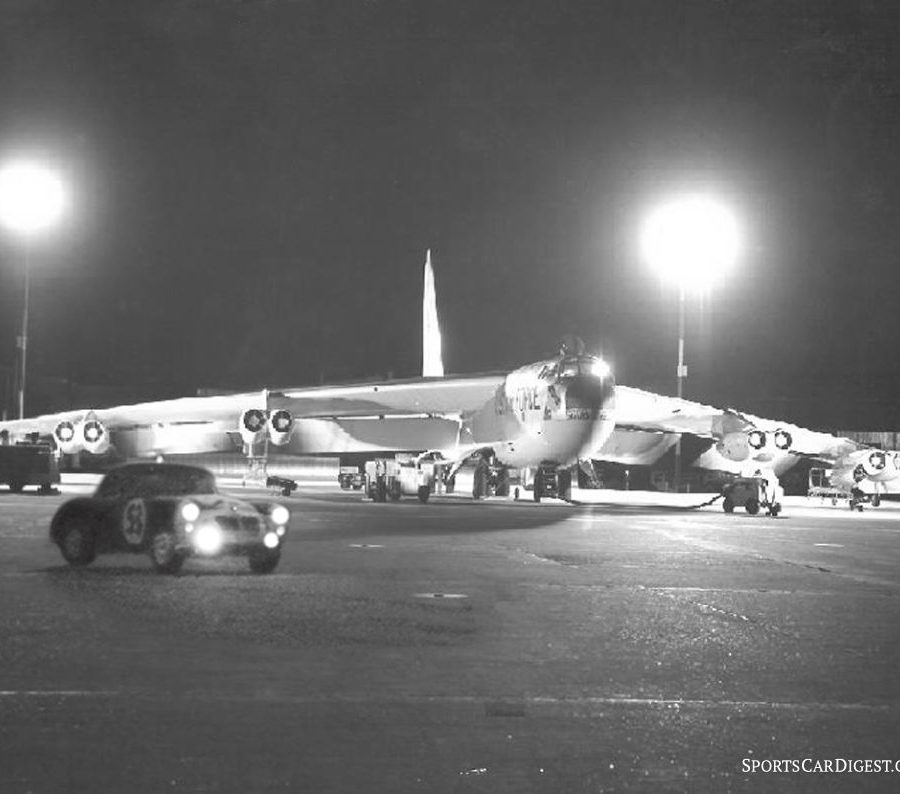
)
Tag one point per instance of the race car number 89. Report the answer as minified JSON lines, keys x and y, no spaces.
{"x":134,"y":522}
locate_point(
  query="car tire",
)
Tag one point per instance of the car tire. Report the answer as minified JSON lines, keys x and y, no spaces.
{"x":164,"y":553}
{"x":264,"y":561}
{"x":16,"y":486}
{"x":728,"y":505}
{"x":77,"y":542}
{"x":752,"y":506}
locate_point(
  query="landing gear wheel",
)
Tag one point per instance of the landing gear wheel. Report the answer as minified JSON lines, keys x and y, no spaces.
{"x":264,"y":561}
{"x":423,"y":493}
{"x":480,"y":480}
{"x":380,"y":490}
{"x":775,"y":509}
{"x":752,"y":506}
{"x":565,"y":485}
{"x":728,"y":505}
{"x":164,"y":554}
{"x":77,"y":543}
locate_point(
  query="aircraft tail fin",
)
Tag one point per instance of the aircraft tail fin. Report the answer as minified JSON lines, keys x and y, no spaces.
{"x":432,"y":358}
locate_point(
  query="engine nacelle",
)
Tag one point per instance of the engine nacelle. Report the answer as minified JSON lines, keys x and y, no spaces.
{"x":281,"y":424}
{"x":252,"y":425}
{"x":878,"y":465}
{"x":95,"y":438}
{"x":68,"y":437}
{"x":783,"y":440}
{"x":757,"y":440}
{"x":734,"y":446}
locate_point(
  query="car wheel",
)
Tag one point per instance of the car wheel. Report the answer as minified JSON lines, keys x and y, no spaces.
{"x":264,"y":561}
{"x":728,"y":505}
{"x":16,"y":486}
{"x":752,"y":506}
{"x":77,"y":542}
{"x":164,"y":553}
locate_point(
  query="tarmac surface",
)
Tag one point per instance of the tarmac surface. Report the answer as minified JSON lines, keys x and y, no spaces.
{"x":461,"y":647}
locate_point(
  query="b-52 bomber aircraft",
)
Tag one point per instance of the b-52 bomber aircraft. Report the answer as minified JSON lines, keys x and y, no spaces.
{"x":546,"y":418}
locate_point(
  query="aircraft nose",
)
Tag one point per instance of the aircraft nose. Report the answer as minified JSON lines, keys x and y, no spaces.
{"x":587,"y":395}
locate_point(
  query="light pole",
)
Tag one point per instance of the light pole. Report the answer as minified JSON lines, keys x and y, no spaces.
{"x":31,"y":199}
{"x":692,"y":241}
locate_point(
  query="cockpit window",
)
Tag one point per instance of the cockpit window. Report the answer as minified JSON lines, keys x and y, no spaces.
{"x":584,"y":365}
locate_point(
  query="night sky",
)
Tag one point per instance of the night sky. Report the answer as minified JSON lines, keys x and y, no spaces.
{"x":254,"y":185}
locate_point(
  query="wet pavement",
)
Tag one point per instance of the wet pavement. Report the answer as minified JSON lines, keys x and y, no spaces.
{"x":502,"y":647}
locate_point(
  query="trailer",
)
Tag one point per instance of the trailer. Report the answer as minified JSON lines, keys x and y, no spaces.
{"x":22,"y":465}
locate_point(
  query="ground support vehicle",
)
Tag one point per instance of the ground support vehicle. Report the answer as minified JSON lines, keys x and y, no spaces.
{"x":552,"y":482}
{"x":351,"y":477}
{"x":283,"y":484}
{"x":29,"y":464}
{"x":820,"y":485}
{"x":393,"y":478}
{"x":170,"y":512}
{"x":753,"y":494}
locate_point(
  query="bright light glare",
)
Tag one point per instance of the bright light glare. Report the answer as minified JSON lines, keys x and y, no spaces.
{"x":600,"y":368}
{"x":692,"y":241}
{"x":190,"y":511}
{"x":207,"y":539}
{"x":280,"y":514}
{"x":270,"y":540}
{"x":31,"y":197}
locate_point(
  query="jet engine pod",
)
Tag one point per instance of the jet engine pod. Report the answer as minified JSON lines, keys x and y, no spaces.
{"x":67,"y":437}
{"x":734,"y":446}
{"x":95,"y":438}
{"x":783,"y":439}
{"x":252,"y":425}
{"x":875,"y":463}
{"x":756,"y":439}
{"x":281,"y":423}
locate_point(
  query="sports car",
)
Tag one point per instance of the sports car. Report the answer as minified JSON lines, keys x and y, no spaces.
{"x":171,"y":512}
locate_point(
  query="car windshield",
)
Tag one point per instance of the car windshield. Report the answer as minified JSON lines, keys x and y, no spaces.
{"x":158,"y":481}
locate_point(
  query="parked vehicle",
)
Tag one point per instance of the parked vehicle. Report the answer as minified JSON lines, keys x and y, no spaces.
{"x":171,"y":512}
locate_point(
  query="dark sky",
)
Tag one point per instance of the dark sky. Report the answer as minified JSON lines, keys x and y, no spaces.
{"x":254,"y":185}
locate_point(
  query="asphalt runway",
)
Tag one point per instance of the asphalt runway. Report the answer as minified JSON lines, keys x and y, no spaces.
{"x":460,"y":647}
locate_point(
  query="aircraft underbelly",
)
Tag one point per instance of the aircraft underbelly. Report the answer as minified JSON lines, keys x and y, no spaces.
{"x":334,"y":436}
{"x":150,"y":441}
{"x":635,"y":447}
{"x":561,"y":441}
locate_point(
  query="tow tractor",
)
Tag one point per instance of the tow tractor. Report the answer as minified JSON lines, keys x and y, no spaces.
{"x":751,"y":493}
{"x":392,"y":478}
{"x":551,"y":482}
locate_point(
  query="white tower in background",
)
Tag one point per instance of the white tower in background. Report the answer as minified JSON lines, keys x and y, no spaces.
{"x":432,"y":359}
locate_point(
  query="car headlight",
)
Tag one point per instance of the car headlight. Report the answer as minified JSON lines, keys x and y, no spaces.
{"x":207,"y":539}
{"x":190,"y":511}
{"x":271,"y":540}
{"x":280,"y":514}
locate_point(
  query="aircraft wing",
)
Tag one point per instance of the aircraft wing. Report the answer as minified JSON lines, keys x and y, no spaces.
{"x":824,"y":447}
{"x":646,"y":411}
{"x":422,"y":396}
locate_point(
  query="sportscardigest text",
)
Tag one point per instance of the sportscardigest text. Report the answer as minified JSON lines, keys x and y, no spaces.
{"x":821,"y":765}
